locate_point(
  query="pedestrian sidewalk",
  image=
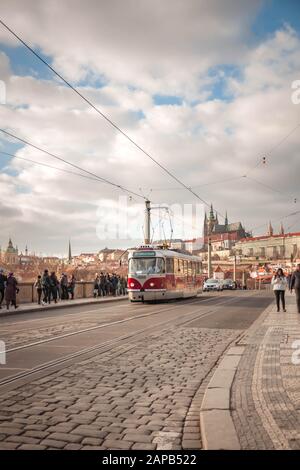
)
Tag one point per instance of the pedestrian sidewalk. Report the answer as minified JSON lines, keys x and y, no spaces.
{"x":34,"y":307}
{"x":253,"y":399}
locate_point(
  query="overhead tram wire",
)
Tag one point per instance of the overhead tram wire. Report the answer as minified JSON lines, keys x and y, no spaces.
{"x":115,"y":126}
{"x":99,"y":178}
{"x":292,"y":214}
{"x":124,"y":133}
{"x":49,"y":166}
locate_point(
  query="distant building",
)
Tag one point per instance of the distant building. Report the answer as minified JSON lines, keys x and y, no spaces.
{"x":103,"y":254}
{"x":11,"y":255}
{"x":193,"y":245}
{"x":271,"y":246}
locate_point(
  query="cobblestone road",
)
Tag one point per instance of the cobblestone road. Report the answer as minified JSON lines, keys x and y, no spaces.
{"x":143,"y":395}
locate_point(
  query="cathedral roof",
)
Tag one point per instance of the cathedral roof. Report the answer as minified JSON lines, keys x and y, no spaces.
{"x":227,"y":228}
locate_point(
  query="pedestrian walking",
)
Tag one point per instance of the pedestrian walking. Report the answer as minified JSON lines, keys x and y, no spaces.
{"x":96,"y":286}
{"x":108,"y":284}
{"x":279,"y":284}
{"x":64,"y":287}
{"x":295,"y":284}
{"x":102,"y":285}
{"x":46,"y":287}
{"x":123,"y":285}
{"x":114,"y":284}
{"x":3,"y":280}
{"x":53,"y":287}
{"x":39,"y":288}
{"x":11,"y":291}
{"x":72,"y":286}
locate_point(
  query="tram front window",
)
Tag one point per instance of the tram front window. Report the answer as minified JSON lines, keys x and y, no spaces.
{"x":146,"y":266}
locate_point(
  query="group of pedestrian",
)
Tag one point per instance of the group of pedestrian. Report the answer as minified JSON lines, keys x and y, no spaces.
{"x":280,"y":283}
{"x":109,"y":284}
{"x":8,"y":289}
{"x":49,"y":287}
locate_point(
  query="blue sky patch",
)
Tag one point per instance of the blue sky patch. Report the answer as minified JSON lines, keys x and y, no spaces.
{"x":274,"y":15}
{"x":163,"y":100}
{"x":24,"y":63}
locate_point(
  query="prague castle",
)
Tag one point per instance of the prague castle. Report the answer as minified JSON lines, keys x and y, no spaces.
{"x":223,"y":236}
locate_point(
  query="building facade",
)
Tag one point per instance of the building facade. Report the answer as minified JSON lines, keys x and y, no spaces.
{"x":271,"y":246}
{"x":11,"y":255}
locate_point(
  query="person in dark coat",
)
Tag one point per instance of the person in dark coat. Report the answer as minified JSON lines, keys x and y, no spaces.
{"x":46,"y":287}
{"x":53,"y":287}
{"x":11,"y":291}
{"x":295,"y":284}
{"x":102,"y":285}
{"x":72,"y":286}
{"x":114,"y":284}
{"x":39,"y":288}
{"x":64,"y":287}
{"x":3,"y":280}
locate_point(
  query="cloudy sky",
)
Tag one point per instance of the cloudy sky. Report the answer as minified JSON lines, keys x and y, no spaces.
{"x":204,"y":86}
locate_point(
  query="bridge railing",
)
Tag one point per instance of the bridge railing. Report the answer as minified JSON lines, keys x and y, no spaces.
{"x":28,"y":293}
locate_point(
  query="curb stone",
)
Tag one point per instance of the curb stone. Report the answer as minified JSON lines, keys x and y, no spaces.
{"x":217,"y":428}
{"x":216,"y":424}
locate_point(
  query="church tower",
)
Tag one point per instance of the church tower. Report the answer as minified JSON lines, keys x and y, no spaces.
{"x":212,"y":220}
{"x":70,"y":253}
{"x":205,"y":225}
{"x":281,"y":229}
{"x":226,"y":221}
{"x":270,"y":230}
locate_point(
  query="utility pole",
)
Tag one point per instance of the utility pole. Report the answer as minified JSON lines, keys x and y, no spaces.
{"x":209,"y":266}
{"x":147,"y":222}
{"x":234,"y":267}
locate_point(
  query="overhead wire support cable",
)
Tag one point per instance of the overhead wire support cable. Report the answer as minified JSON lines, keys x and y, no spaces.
{"x":100,"y":178}
{"x":113,"y":124}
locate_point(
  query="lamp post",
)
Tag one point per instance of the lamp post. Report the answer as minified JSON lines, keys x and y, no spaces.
{"x":209,"y":266}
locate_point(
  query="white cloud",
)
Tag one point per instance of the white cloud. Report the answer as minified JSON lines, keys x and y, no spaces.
{"x":162,"y":48}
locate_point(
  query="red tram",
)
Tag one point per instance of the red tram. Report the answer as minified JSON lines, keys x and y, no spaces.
{"x":159,"y":273}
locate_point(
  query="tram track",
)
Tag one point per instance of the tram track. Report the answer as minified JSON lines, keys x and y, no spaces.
{"x":106,"y":346}
{"x":102,"y":325}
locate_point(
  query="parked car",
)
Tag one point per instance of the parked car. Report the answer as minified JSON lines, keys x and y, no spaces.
{"x":212,"y":284}
{"x":229,"y":284}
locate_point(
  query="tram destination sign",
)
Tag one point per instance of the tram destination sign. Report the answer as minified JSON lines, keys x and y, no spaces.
{"x":144,"y":254}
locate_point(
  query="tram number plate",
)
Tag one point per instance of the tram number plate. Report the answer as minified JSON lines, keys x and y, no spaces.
{"x":143,"y":254}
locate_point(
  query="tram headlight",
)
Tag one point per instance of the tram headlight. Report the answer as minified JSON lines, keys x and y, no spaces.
{"x":132,"y":284}
{"x":151,"y":284}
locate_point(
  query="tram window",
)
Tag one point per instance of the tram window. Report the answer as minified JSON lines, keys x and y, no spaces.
{"x":193,"y":268}
{"x":170,"y":265}
{"x":176,"y":265}
{"x":181,"y":266}
{"x":185,"y":267}
{"x":146,"y":265}
{"x":190,"y":268}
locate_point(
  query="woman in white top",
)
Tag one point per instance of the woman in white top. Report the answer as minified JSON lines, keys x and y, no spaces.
{"x":279,"y":284}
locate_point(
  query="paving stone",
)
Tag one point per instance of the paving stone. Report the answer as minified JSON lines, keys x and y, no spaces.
{"x":143,"y":438}
{"x":115,"y":444}
{"x":71,"y":438}
{"x":31,"y":447}
{"x":188,"y":444}
{"x":53,"y":444}
{"x":144,"y":446}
